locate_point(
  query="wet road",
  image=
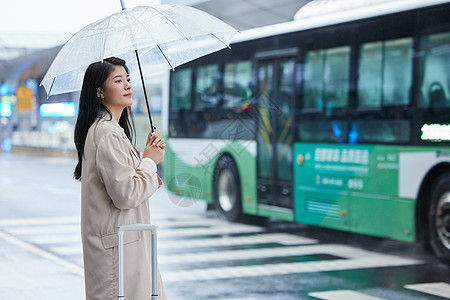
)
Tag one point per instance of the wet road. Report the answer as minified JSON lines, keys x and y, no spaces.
{"x":203,"y":257}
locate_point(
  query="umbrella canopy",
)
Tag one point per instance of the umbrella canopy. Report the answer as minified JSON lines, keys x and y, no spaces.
{"x":163,"y":35}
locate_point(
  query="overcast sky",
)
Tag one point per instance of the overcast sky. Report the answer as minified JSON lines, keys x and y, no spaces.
{"x":57,"y":16}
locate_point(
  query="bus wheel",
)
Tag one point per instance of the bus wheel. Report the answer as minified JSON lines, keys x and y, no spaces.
{"x":227,"y":190}
{"x":439,"y":218}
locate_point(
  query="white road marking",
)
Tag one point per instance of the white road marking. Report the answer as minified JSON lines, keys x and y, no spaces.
{"x":39,"y":221}
{"x":280,"y":238}
{"x":238,"y":299}
{"x":252,"y":254}
{"x":167,"y":223}
{"x":184,"y":232}
{"x":343,"y":295}
{"x":63,"y":236}
{"x":55,"y":239}
{"x":441,"y":289}
{"x":340,"y":251}
{"x":164,"y":217}
{"x":42,"y":230}
{"x":180,"y":219}
{"x":36,"y":250}
{"x":68,"y":250}
{"x":359,"y":259}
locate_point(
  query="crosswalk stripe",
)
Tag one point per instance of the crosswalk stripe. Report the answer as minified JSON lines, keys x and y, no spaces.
{"x":43,"y":230}
{"x":238,"y":299}
{"x":185,"y":232}
{"x":178,"y":219}
{"x":39,"y":221}
{"x":250,"y":254}
{"x":68,"y":250}
{"x":341,"y":251}
{"x":68,"y":225}
{"x":47,"y":230}
{"x":172,"y":220}
{"x":161,"y":216}
{"x":441,"y":289}
{"x":343,"y":295}
{"x":280,"y":238}
{"x":63,"y":236}
{"x":55,"y":238}
{"x":375,"y":261}
{"x":284,"y":239}
{"x":71,"y":228}
{"x":191,"y":222}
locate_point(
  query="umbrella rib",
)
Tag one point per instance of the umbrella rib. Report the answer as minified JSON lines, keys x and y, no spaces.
{"x":168,"y":19}
{"x":165,"y":57}
{"x":216,"y":37}
{"x":51,"y":87}
{"x":105,"y":36}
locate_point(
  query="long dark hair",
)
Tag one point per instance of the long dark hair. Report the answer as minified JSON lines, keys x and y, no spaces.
{"x":91,"y":108}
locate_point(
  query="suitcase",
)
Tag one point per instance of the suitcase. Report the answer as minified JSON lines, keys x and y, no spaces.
{"x":138,"y":227}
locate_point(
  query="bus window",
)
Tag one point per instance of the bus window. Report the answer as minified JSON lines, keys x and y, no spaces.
{"x":322,"y":131}
{"x":380,"y":131}
{"x":370,"y":70}
{"x":180,"y":102}
{"x":336,"y":77}
{"x":221,"y":117}
{"x":397,"y":79}
{"x":326,"y":78}
{"x":285,"y":99}
{"x":180,"y":89}
{"x":237,"y":78}
{"x":384,"y":71}
{"x":313,"y":80}
{"x":435,"y":61}
{"x":265,"y":125}
{"x":207,"y":87}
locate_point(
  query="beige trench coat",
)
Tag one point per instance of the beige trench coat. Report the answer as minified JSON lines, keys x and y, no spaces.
{"x":115,"y":187}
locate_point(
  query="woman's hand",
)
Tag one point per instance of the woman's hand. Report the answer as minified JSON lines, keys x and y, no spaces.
{"x":156,"y":140}
{"x":154,"y":148}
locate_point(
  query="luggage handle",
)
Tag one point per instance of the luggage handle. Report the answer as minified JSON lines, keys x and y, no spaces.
{"x":138,"y":227}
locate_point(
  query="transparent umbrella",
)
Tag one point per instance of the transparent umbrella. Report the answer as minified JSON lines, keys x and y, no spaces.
{"x":162,"y":36}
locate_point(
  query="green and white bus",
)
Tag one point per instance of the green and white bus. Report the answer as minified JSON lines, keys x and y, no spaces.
{"x":337,"y":119}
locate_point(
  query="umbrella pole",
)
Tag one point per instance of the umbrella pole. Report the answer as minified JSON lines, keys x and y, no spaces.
{"x":122,"y":3}
{"x":145,"y":92}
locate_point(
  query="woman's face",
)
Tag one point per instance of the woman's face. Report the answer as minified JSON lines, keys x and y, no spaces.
{"x":118,"y":90}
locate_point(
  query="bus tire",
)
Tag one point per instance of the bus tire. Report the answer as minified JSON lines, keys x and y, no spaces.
{"x":227,"y":190}
{"x":439,"y":218}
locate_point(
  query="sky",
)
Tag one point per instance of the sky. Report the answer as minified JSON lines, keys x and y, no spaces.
{"x":59,"y":17}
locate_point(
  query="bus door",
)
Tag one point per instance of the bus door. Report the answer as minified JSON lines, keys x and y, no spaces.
{"x":276,"y":95}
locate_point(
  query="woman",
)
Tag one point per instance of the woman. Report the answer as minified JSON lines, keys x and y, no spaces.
{"x":115,"y":184}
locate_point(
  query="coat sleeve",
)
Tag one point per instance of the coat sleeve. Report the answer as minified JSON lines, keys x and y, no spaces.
{"x":126,"y":185}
